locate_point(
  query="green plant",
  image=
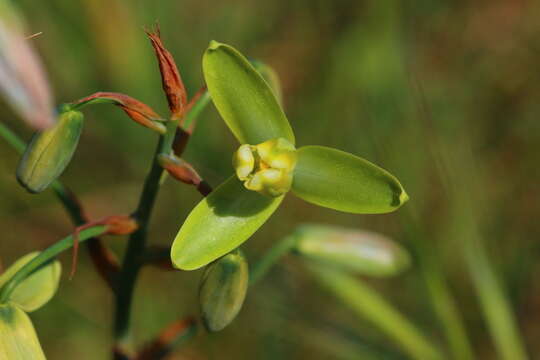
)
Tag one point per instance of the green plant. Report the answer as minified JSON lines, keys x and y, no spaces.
{"x":248,"y":97}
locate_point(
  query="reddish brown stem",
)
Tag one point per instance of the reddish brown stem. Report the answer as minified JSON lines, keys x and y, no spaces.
{"x":104,"y":260}
{"x":166,"y":340}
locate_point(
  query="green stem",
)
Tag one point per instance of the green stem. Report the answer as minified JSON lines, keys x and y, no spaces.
{"x":368,"y":304}
{"x":495,"y":304}
{"x":270,"y":258}
{"x":45,"y":256}
{"x":137,"y":243}
{"x":11,"y":138}
{"x":442,"y":300}
{"x":196,"y":110}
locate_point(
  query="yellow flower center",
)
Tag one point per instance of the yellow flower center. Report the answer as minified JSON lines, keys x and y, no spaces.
{"x":267,"y":167}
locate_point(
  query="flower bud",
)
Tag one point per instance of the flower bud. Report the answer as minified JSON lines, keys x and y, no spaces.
{"x":170,"y":76}
{"x":135,"y":109}
{"x":364,"y":252}
{"x":266,"y":168}
{"x":223,"y":290}
{"x":50,"y":151}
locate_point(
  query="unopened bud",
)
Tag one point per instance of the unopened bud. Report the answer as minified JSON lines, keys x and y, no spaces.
{"x":266,"y":168}
{"x":120,"y":225}
{"x":135,"y":109}
{"x":170,"y":77}
{"x":223,"y":290}
{"x":50,"y":151}
{"x":364,"y":252}
{"x":179,"y":169}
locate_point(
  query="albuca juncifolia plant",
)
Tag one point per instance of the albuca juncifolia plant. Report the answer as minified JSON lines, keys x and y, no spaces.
{"x":267,"y":165}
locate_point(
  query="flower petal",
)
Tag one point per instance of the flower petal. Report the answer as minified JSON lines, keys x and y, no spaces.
{"x":344,"y":182}
{"x":18,"y":339}
{"x":220,"y":223}
{"x":243,"y":98}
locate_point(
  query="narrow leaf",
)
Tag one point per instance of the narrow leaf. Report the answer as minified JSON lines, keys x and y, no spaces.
{"x":341,"y":181}
{"x":37,"y":289}
{"x":220,"y":223}
{"x":242,"y":97}
{"x":18,"y":339}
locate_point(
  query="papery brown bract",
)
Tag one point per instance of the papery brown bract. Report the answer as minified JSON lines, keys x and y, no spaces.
{"x":170,"y":77}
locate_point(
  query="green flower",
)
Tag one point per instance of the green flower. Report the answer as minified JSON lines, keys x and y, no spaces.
{"x":268,"y":165}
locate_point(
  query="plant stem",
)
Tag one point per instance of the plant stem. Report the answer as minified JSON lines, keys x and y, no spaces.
{"x":495,"y":304}
{"x":170,"y":337}
{"x":442,"y":300}
{"x":45,"y":256}
{"x":195,"y":110}
{"x":103,"y":259}
{"x":137,"y":242}
{"x":11,"y":138}
{"x":270,"y":258}
{"x":368,"y":304}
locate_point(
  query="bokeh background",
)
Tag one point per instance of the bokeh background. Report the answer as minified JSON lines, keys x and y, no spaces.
{"x":444,"y":94}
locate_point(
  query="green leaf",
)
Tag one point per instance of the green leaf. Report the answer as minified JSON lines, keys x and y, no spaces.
{"x":38,"y":288}
{"x":242,"y":97}
{"x":18,"y":339}
{"x":341,"y":181}
{"x":220,"y":223}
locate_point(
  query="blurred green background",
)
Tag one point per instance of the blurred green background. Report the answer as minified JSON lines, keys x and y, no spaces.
{"x":443,"y":94}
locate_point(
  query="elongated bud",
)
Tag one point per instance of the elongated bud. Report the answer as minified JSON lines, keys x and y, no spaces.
{"x":364,"y":252}
{"x":23,"y":80}
{"x":120,"y":224}
{"x":223,"y":290}
{"x":266,"y":168}
{"x":50,"y":151}
{"x":18,"y":339}
{"x":184,"y":172}
{"x":170,"y":77}
{"x":179,"y":169}
{"x":135,"y":109}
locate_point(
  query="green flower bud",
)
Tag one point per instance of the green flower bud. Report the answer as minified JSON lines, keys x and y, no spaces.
{"x":223,"y":290}
{"x":50,"y":151}
{"x":364,"y":252}
{"x":266,"y":168}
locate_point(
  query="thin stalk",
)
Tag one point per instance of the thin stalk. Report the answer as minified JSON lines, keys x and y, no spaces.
{"x":270,"y":258}
{"x":11,"y":138}
{"x":495,"y":305}
{"x":465,"y":192}
{"x":441,"y":297}
{"x":104,"y":260}
{"x":170,"y":337}
{"x":137,"y":242}
{"x":369,"y":304}
{"x":195,"y":110}
{"x":45,"y":256}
